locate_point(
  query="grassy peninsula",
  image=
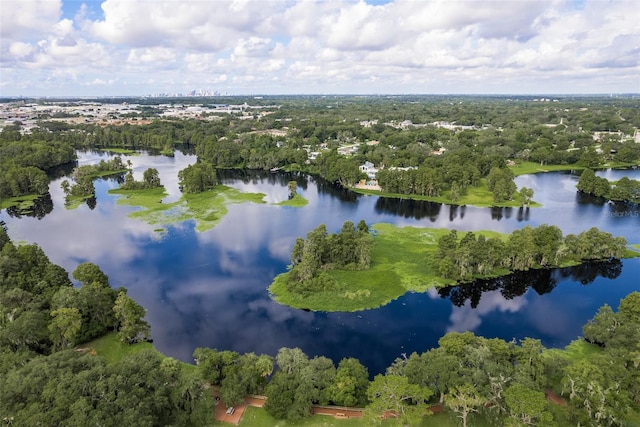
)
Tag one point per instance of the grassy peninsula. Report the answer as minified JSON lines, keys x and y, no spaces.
{"x":525,"y":167}
{"x":411,"y":259}
{"x":402,"y":260}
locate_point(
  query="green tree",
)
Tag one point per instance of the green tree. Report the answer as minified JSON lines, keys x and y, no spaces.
{"x":213,"y":364}
{"x":395,"y":397}
{"x":293,"y":189}
{"x":64,"y":326}
{"x":528,"y":406}
{"x":129,"y":315}
{"x":590,"y":158}
{"x":87,"y":273}
{"x":349,"y":387}
{"x":464,"y":399}
{"x":291,"y":360}
{"x":629,"y":308}
{"x":500,"y":183}
{"x":596,"y":400}
{"x":279,"y":394}
{"x":525,"y":195}
{"x":198,"y":177}
{"x":547,"y":240}
{"x":436,"y":369}
{"x":587,"y":181}
{"x":151,"y":178}
{"x":602,"y":327}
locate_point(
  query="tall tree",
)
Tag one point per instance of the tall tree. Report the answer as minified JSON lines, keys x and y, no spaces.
{"x":528,"y":406}
{"x":151,"y":178}
{"x":349,"y":387}
{"x":464,"y":399}
{"x":87,"y":273}
{"x":392,"y":396}
{"x":64,"y":326}
{"x":129,"y":314}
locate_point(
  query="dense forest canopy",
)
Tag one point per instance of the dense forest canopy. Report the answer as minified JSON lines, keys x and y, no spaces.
{"x":445,"y":143}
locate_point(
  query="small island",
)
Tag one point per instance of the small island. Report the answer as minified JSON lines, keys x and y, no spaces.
{"x":83,"y":189}
{"x":361,"y":267}
{"x":295,"y":200}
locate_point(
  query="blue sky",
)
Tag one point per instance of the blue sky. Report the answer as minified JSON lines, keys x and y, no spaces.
{"x":139,"y":47}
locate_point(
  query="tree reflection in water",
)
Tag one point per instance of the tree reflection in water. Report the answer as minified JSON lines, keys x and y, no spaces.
{"x":41,"y":206}
{"x":542,"y":281}
{"x":409,"y":208}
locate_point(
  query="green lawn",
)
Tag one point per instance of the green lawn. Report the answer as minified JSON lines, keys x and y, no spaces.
{"x":476,"y":196}
{"x":579,"y":349}
{"x":523,"y":168}
{"x":258,"y":417}
{"x":113,"y":350}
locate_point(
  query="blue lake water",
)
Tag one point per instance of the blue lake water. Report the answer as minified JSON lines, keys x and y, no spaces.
{"x":209,"y":289}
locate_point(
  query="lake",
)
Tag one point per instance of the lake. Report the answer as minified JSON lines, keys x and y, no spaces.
{"x":210,"y":289}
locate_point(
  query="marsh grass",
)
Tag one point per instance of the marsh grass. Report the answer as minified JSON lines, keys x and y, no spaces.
{"x":206,"y":208}
{"x":23,"y":203}
{"x":402,"y":261}
{"x":100,"y":174}
{"x":116,"y":150}
{"x":73,"y":202}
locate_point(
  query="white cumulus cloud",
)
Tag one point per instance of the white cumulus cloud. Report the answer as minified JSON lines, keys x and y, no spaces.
{"x":294,"y":46}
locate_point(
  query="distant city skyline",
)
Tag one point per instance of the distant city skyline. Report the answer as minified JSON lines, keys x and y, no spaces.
{"x":73,"y":48}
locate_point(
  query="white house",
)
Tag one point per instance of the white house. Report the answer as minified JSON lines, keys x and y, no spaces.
{"x":369,"y":169}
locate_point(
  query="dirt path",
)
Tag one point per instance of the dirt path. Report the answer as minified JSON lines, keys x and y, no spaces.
{"x":554,"y":398}
{"x":337,"y":412}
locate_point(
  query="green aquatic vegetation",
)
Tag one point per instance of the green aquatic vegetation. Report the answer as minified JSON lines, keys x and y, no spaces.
{"x":206,"y":208}
{"x":73,"y":202}
{"x":121,"y":151}
{"x":23,"y":203}
{"x":296,"y":201}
